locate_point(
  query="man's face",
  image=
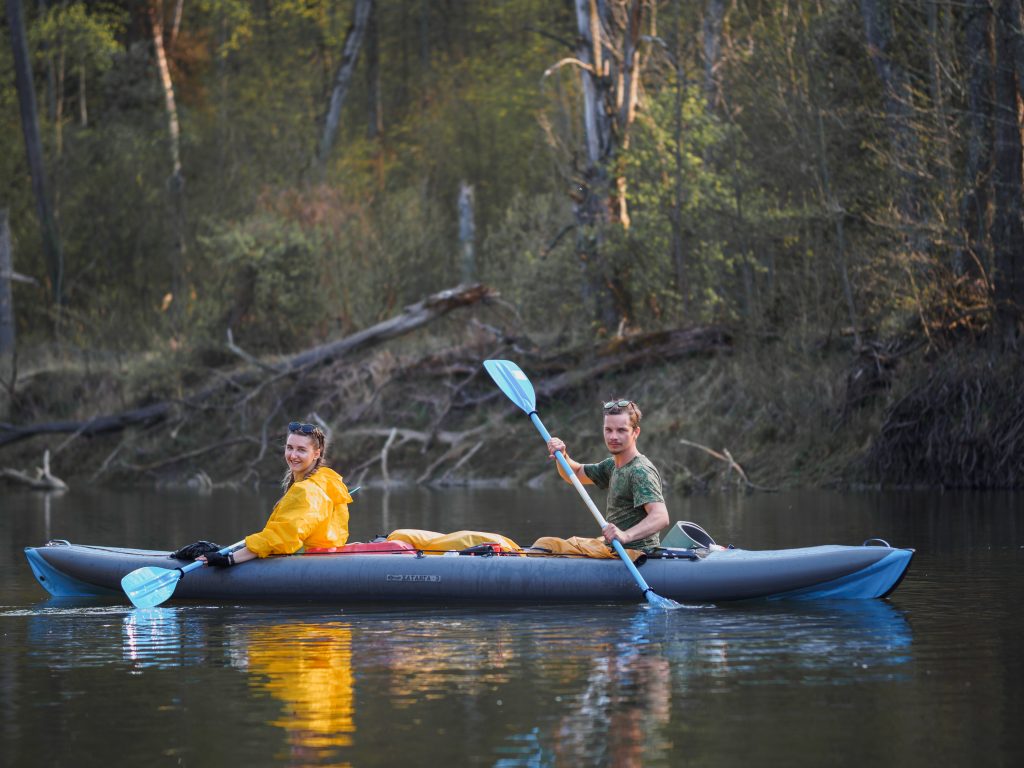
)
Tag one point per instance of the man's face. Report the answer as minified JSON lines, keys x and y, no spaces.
{"x":618,"y":435}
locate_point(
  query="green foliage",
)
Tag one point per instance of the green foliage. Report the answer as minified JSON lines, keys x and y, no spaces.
{"x":83,"y":35}
{"x":749,"y":210}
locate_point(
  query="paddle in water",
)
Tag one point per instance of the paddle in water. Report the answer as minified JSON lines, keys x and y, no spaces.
{"x":150,"y":586}
{"x":517,"y":387}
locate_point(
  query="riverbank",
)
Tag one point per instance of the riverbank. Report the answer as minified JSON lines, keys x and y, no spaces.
{"x":405,"y":404}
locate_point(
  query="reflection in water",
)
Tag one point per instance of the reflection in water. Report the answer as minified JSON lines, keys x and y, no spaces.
{"x":604,"y":685}
{"x":153,"y":637}
{"x":308,"y":667}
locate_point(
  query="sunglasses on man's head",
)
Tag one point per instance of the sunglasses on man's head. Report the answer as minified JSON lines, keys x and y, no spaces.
{"x":302,"y":429}
{"x":617,"y":404}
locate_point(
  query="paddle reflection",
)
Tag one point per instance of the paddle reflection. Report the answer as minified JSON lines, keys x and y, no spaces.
{"x":307,"y":667}
{"x":152,"y":637}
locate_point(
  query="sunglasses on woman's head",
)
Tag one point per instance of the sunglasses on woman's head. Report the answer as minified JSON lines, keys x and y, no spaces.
{"x":302,"y":429}
{"x":617,"y":404}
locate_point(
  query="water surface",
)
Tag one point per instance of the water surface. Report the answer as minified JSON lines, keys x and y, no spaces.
{"x":931,"y":676}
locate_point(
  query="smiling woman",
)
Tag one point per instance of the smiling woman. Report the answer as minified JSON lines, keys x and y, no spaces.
{"x":313,"y":510}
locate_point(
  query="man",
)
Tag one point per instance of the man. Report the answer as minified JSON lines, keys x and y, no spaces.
{"x":636,"y":510}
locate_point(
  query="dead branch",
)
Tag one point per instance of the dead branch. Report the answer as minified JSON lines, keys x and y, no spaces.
{"x":469,"y":454}
{"x":189,"y":454}
{"x":250,"y":359}
{"x":384,"y":455}
{"x":41,"y":479}
{"x":726,"y":457}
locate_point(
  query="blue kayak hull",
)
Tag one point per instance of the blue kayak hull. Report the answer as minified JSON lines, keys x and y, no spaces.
{"x":831,"y":571}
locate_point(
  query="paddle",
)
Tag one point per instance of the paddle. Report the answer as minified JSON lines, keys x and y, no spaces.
{"x":150,"y":586}
{"x":517,"y":387}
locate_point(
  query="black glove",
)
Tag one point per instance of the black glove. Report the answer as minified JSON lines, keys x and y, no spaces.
{"x":219,"y":560}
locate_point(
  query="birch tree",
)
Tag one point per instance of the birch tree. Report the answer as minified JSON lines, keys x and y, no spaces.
{"x":176,"y":181}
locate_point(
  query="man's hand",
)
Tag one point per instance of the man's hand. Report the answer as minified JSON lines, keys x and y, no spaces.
{"x":555,"y":444}
{"x":612,"y":533}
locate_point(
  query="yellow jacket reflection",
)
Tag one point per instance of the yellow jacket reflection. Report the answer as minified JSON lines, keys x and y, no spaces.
{"x":309,"y":668}
{"x":313,"y":513}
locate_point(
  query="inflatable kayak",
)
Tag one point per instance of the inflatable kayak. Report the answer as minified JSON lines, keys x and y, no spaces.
{"x":872,"y":570}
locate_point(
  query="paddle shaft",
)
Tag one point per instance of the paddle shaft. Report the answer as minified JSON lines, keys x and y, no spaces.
{"x":616,"y":544}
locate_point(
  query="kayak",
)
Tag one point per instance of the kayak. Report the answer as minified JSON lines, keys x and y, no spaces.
{"x":872,"y":570}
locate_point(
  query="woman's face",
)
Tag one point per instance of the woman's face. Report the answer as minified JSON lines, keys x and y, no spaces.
{"x":300,"y":453}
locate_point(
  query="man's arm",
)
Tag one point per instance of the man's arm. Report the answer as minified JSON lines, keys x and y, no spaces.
{"x":655,"y":521}
{"x":554,"y":444}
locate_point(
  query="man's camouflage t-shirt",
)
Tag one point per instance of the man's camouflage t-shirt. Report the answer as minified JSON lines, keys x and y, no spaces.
{"x":629,"y":488}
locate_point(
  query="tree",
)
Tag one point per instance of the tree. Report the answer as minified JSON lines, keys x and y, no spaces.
{"x":34,"y":150}
{"x":610,"y":63}
{"x":349,"y":56}
{"x":176,"y":181}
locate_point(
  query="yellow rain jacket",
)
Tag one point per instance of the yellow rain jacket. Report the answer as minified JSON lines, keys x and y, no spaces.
{"x":432,"y":542}
{"x":314,"y":513}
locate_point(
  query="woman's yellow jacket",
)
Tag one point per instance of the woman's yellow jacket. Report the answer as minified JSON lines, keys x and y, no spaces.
{"x":313,"y":513}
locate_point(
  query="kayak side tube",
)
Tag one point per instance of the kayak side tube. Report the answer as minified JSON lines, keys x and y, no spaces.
{"x":875,"y":581}
{"x":60,"y":584}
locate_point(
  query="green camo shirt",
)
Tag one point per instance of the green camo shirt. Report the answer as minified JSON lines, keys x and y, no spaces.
{"x":629,"y":488}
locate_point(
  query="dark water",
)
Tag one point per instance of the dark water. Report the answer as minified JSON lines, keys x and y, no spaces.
{"x":932,"y":676}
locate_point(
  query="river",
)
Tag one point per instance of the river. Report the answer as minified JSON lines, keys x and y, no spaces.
{"x":931,"y":676}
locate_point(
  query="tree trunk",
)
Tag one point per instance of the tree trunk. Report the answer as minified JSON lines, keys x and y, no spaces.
{"x":1007,"y":226}
{"x":343,"y":78}
{"x":7,"y":328}
{"x":610,"y":94}
{"x":176,"y":182}
{"x":467,"y":232}
{"x":679,"y":236}
{"x":34,"y":150}
{"x":714,"y":19}
{"x":898,"y":105}
{"x":374,"y":112}
{"x":172,"y":38}
{"x":973,"y":256}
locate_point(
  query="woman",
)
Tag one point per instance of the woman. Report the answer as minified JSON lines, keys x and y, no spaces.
{"x":313,"y":510}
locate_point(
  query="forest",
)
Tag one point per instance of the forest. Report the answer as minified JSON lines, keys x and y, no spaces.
{"x":791,"y":229}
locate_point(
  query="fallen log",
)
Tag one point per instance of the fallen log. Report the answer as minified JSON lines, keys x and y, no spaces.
{"x":410,"y":319}
{"x":41,"y":479}
{"x":634,"y":351}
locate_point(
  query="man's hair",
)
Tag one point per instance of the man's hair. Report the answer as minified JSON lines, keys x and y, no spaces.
{"x":635,"y":414}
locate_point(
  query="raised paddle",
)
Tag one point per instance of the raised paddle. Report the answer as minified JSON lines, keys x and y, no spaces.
{"x":517,"y":387}
{"x":150,"y":586}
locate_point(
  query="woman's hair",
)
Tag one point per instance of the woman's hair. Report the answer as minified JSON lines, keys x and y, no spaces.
{"x":320,"y":440}
{"x":618,"y":405}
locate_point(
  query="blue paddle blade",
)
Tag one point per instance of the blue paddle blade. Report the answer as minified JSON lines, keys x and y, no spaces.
{"x":513,"y":382}
{"x":148,"y":587}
